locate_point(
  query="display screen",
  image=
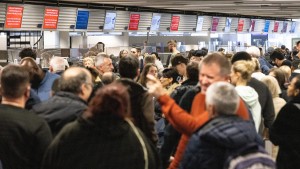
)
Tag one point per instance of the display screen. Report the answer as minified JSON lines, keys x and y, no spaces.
{"x":134,"y":22}
{"x":50,"y":18}
{"x":14,"y":16}
{"x":110,"y":20}
{"x":267,"y":25}
{"x":199,"y":23}
{"x":82,"y":19}
{"x":155,"y":23}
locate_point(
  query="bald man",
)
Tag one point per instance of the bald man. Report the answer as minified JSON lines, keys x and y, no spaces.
{"x":69,"y":102}
{"x":41,"y":80}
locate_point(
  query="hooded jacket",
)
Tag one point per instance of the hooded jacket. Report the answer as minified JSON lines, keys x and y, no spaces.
{"x":210,"y":146}
{"x":250,"y":97}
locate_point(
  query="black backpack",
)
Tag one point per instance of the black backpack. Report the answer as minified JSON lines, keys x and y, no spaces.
{"x":251,"y":156}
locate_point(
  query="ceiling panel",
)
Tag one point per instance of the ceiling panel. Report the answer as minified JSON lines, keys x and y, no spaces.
{"x":271,"y":8}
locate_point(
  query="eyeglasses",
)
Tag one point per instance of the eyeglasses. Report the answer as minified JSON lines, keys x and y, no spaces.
{"x":132,"y":51}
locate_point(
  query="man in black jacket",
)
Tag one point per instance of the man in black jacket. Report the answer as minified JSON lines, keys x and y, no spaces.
{"x":68,"y":103}
{"x":142,"y":105}
{"x":24,"y":136}
{"x":171,"y":135}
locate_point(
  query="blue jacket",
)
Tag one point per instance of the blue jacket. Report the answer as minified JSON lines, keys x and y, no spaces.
{"x":210,"y":146}
{"x":44,"y":89}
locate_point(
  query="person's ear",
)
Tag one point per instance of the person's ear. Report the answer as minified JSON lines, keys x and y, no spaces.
{"x":296,"y":93}
{"x":51,"y":69}
{"x":27,"y":92}
{"x":211,"y":110}
{"x":170,"y":80}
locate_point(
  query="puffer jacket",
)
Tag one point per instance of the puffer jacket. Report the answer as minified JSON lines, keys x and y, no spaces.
{"x":209,"y":146}
{"x":62,"y":108}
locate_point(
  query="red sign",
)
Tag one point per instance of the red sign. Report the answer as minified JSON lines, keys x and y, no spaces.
{"x":50,"y":18}
{"x":215,"y":23}
{"x":14,"y":16}
{"x":134,"y":22}
{"x":174,"y":23}
{"x":276,"y":25}
{"x":241,"y":25}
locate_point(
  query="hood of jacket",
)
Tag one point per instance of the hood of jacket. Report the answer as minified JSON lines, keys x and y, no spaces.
{"x":248,"y":94}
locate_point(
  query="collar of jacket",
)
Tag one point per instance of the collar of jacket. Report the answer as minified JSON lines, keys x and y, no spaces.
{"x":70,"y":95}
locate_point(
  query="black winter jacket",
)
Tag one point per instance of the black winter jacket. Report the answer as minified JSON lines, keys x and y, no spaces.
{"x":105,"y":144}
{"x":62,"y":108}
{"x":171,"y":135}
{"x":266,"y":102}
{"x":285,"y":132}
{"x":142,"y":108}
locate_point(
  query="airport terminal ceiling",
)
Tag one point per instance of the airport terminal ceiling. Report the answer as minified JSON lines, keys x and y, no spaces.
{"x":267,"y":8}
{"x":274,"y":9}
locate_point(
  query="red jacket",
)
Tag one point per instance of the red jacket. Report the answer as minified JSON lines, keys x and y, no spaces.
{"x":187,"y":123}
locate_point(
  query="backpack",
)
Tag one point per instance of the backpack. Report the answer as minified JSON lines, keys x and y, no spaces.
{"x":251,"y":156}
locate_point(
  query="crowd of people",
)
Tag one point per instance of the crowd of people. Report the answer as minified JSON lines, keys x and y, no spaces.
{"x":136,"y":112}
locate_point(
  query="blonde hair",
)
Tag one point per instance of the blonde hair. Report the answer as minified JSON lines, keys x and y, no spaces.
{"x":245,"y":68}
{"x":272,"y":84}
{"x":88,"y":61}
{"x":287,"y":71}
{"x":256,"y":64}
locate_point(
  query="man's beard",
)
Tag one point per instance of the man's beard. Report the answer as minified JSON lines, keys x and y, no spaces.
{"x":171,"y":50}
{"x":35,"y":81}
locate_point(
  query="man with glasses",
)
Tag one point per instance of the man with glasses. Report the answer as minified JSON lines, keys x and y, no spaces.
{"x":75,"y":87}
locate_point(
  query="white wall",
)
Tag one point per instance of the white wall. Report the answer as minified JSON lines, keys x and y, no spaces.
{"x":51,"y":39}
{"x":3,"y":41}
{"x":64,"y":39}
{"x":109,"y":41}
{"x":189,"y":40}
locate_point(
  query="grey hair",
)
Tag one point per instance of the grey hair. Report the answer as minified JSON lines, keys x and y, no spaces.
{"x":58,"y":63}
{"x":253,"y":51}
{"x":100,"y":58}
{"x":223,"y":97}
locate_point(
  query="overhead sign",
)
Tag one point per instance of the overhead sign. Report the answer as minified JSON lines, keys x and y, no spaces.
{"x":175,"y":23}
{"x":110,"y":20}
{"x":252,"y":26}
{"x":134,"y":22}
{"x":228,"y":24}
{"x":276,"y":26}
{"x":267,"y":25}
{"x":293,"y":27}
{"x":215,"y":23}
{"x":14,"y":16}
{"x":155,"y":23}
{"x":199,"y":23}
{"x":241,"y":25}
{"x":82,"y":19}
{"x":51,"y":18}
{"x":284,"y":27}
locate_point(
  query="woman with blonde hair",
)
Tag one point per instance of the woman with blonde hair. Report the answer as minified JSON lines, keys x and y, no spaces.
{"x":240,"y":75}
{"x":278,"y":102}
